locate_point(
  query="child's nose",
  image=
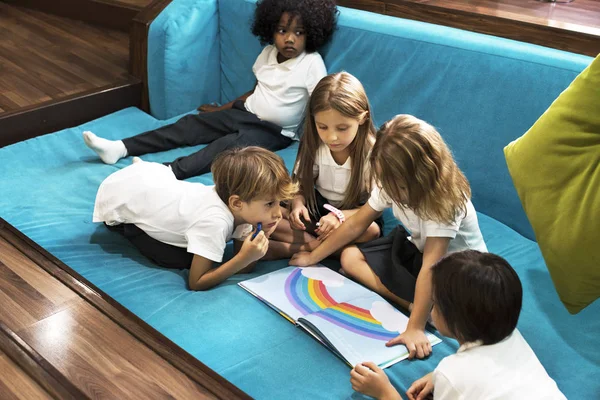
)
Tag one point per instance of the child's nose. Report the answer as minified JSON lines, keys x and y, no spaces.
{"x":277,"y":213}
{"x":289,"y":38}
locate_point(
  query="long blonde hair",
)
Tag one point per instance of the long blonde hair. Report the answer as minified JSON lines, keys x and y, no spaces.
{"x":415,"y":167}
{"x":344,"y":93}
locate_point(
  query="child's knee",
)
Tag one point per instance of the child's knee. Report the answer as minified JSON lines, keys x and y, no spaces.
{"x":349,"y":258}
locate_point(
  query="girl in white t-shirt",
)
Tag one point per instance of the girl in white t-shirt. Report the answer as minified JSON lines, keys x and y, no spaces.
{"x":417,"y":177}
{"x":477,"y":301}
{"x":332,"y":164}
{"x":179,"y":224}
{"x":286,"y":72}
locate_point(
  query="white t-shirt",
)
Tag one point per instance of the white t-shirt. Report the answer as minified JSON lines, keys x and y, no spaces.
{"x":508,"y":370}
{"x":179,"y":213}
{"x":282,"y":90}
{"x":463,"y":231}
{"x":332,"y":178}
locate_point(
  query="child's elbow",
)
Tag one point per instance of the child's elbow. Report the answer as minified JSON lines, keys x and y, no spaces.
{"x":200,"y":286}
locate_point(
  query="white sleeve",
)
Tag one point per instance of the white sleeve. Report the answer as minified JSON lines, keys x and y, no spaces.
{"x":438,"y":229}
{"x":443,"y":388}
{"x":316,"y":72}
{"x":379,"y":200}
{"x":208,"y":237}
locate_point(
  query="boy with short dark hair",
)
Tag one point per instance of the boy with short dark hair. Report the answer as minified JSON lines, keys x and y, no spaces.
{"x":477,"y":301}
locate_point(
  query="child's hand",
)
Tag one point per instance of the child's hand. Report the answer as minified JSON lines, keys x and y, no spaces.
{"x":255,"y":249}
{"x":416,"y":343}
{"x":367,"y":378}
{"x":301,"y":259}
{"x":327,"y":224}
{"x":421,"y":388}
{"x":210,"y":107}
{"x":298,"y":213}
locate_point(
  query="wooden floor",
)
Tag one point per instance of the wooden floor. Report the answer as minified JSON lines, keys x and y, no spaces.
{"x":60,"y":335}
{"x":16,"y":383}
{"x":45,"y":57}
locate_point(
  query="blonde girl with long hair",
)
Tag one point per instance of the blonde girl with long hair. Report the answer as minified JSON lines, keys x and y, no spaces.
{"x":332,"y":164}
{"x":417,"y":177}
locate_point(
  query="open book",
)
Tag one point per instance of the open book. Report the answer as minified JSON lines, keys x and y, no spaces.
{"x":350,"y":320}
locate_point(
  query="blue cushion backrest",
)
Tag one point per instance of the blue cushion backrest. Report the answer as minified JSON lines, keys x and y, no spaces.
{"x":183,"y":57}
{"x":480,"y":91}
{"x":239,"y":48}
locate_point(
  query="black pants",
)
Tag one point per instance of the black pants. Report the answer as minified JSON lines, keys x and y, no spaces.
{"x":160,"y":253}
{"x":221,"y":130}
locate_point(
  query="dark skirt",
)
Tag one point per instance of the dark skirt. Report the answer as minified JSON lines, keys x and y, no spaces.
{"x":396,"y":261}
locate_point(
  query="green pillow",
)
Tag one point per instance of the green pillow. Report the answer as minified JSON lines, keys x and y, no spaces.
{"x":555,"y":168}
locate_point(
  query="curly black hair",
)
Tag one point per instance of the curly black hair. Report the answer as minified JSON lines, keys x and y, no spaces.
{"x":319,"y":18}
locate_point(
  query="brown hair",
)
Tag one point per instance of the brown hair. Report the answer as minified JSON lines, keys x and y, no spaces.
{"x":251,"y":173}
{"x":344,"y":93}
{"x":479,"y":295}
{"x":414,"y":166}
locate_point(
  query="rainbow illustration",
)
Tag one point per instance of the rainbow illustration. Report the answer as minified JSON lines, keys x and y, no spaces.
{"x":310,"y":296}
{"x":307,"y":295}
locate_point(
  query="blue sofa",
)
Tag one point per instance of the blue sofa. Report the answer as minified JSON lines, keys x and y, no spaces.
{"x":481,"y":92}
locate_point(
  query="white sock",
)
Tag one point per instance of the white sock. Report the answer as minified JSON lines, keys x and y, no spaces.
{"x":109,"y":151}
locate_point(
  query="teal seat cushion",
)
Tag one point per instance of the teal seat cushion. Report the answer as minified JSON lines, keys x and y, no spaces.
{"x":48,"y":189}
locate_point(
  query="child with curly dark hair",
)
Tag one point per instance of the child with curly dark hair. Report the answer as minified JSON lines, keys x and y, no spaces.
{"x":287,"y":70}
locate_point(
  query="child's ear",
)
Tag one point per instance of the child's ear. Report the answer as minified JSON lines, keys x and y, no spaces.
{"x":235,"y":203}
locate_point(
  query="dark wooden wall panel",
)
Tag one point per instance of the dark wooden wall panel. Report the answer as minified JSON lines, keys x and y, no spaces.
{"x":376,"y":6}
{"x":70,"y":111}
{"x":529,"y":21}
{"x":138,"y":47}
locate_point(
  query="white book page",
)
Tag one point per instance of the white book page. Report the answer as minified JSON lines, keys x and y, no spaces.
{"x":300,"y":291}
